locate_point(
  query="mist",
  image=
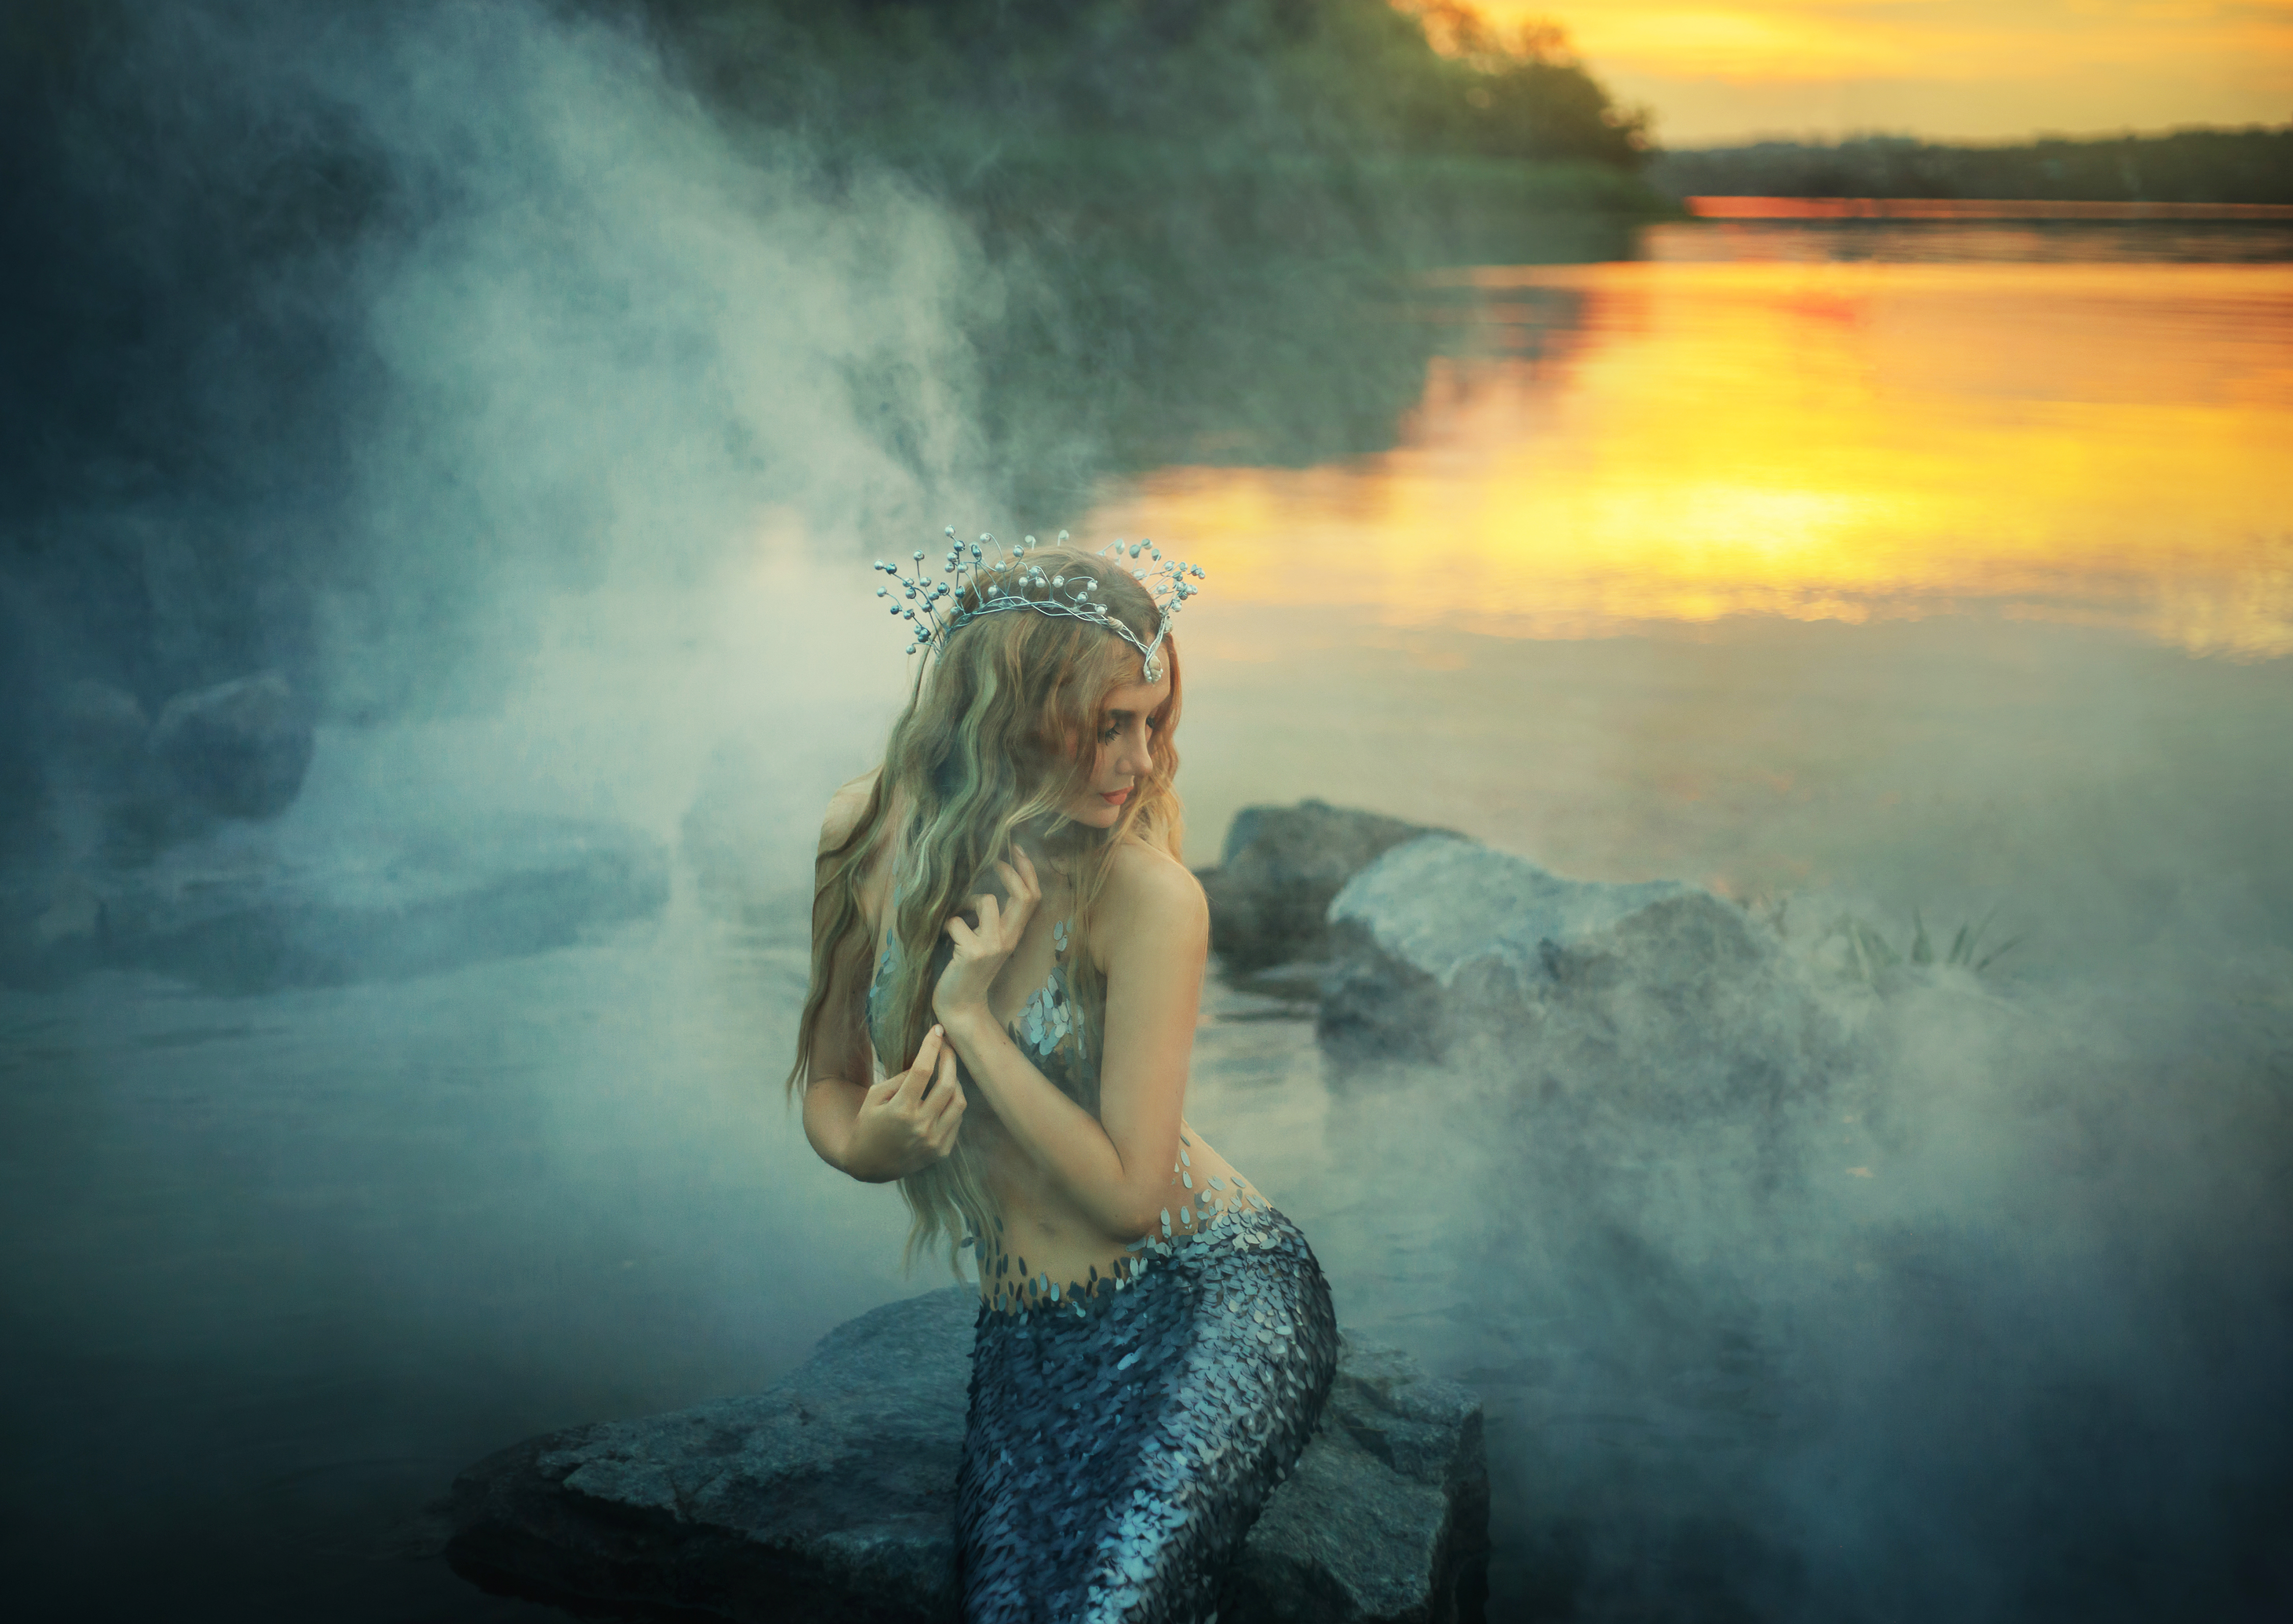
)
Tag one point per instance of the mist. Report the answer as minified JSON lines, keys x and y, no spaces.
{"x":466,"y":367}
{"x":535,"y":426}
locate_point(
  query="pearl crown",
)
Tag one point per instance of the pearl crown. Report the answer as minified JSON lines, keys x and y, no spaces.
{"x":935,"y":610}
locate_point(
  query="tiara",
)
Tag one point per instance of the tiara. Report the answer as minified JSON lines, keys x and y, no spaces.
{"x":1008,"y":581}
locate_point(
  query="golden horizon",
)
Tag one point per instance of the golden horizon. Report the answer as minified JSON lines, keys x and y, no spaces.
{"x":1947,"y":69}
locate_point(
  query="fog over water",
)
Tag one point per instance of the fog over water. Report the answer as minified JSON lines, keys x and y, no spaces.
{"x":1992,"y":1323}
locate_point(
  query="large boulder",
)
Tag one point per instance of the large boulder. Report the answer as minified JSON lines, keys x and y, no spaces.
{"x":247,"y":907}
{"x":1659,"y":995}
{"x":1437,"y":932}
{"x":832,"y":1496}
{"x":239,"y":748}
{"x":1271,"y":893}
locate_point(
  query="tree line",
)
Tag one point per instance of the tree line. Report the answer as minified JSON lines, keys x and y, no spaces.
{"x":2194,"y":165}
{"x":1431,"y":79}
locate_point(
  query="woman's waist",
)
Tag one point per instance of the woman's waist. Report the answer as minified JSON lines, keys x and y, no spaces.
{"x":1027,"y":1263}
{"x":1243,"y":1243}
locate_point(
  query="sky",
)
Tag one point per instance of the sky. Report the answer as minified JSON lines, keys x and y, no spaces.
{"x":1717,"y":70}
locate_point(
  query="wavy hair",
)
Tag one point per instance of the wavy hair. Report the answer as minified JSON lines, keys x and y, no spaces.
{"x":999,"y":733}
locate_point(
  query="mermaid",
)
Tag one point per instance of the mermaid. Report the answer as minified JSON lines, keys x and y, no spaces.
{"x":1007,"y":967}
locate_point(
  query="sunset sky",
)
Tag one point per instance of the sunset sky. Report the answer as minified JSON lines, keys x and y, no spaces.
{"x":1975,"y":70}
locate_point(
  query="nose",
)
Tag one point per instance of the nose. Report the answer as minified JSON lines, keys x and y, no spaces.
{"x":1135,"y":759}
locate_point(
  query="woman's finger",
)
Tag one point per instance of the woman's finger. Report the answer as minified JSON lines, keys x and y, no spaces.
{"x":989,"y":915}
{"x":947,"y":1093}
{"x":962,"y":934}
{"x":947,"y":1119}
{"x":929,"y":1054}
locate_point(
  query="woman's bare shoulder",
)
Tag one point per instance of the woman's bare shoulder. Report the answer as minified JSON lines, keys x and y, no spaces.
{"x":846,"y":808}
{"x":1144,"y":881}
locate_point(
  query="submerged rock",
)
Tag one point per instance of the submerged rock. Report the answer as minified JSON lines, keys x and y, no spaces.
{"x":1271,"y":893}
{"x":832,"y":1496}
{"x":250,"y":908}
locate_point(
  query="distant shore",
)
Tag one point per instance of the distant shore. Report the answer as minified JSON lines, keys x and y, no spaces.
{"x":2181,"y":167}
{"x":1971,"y":208}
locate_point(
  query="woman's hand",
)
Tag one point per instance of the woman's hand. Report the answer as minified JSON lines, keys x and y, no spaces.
{"x":907,"y":1123}
{"x":981,"y":949}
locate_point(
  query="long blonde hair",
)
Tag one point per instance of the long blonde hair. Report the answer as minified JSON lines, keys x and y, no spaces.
{"x":998,"y":735}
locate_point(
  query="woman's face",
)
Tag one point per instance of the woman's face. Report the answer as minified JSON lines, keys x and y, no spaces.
{"x":1127,"y":725}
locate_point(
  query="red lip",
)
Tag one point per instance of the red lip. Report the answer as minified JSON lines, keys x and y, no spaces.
{"x":1116,"y":798}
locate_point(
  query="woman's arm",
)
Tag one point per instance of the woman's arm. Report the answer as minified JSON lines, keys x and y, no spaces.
{"x":898,"y":1127}
{"x":884,"y":1131}
{"x":1116,"y":1166}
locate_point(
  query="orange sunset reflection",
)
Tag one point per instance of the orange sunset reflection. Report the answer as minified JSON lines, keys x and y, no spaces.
{"x":2099,"y":444}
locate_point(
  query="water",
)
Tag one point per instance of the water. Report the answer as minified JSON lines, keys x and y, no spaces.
{"x":1840,"y":574}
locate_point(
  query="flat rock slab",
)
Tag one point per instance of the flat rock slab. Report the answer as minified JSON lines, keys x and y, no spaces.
{"x":832,"y":1496}
{"x":252,"y":907}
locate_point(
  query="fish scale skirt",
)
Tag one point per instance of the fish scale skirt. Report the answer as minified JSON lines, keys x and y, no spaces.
{"x":1122,"y":1443}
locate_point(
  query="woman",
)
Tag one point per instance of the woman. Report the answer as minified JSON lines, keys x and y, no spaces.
{"x":1007,"y":965}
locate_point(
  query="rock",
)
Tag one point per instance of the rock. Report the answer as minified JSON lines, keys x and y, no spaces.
{"x":239,"y":748}
{"x":1439,"y":930}
{"x":832,"y":1496}
{"x":1271,"y":893}
{"x":1387,"y":1514}
{"x":1659,"y":994}
{"x":1445,"y":905}
{"x":248,"y":908}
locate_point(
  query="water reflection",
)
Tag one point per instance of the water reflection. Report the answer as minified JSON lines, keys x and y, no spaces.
{"x":1679,"y":439}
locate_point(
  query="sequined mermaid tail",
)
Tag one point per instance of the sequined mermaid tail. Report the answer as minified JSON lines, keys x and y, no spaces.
{"x":1118,"y":1449}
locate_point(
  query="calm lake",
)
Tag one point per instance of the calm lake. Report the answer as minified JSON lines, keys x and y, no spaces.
{"x":1861,"y":570}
